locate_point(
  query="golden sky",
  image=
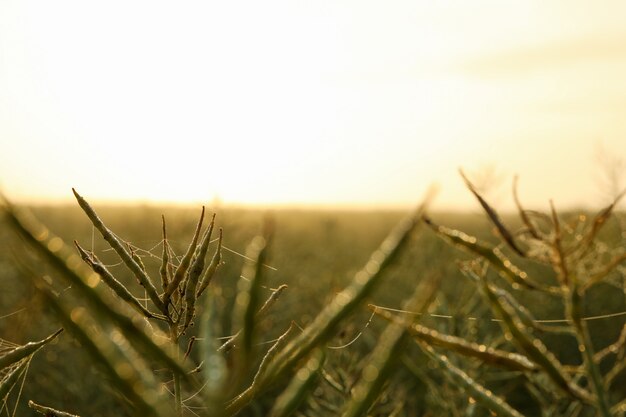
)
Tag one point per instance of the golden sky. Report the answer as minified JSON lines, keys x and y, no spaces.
{"x":350,"y":103}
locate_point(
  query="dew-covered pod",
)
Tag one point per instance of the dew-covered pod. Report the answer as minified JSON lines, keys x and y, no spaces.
{"x":107,"y":277}
{"x":48,"y":411}
{"x":487,"y":355}
{"x":504,"y":232}
{"x":117,"y":246}
{"x":475,"y":390}
{"x":491,"y":254}
{"x":216,"y":261}
{"x":21,"y":352}
{"x":185,"y":262}
{"x":195,"y":271}
{"x":166,"y":267}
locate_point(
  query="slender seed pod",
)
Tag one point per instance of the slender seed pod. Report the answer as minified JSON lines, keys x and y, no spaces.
{"x":491,"y":254}
{"x":269,"y":356}
{"x":487,"y":355}
{"x":181,"y":270}
{"x":598,"y":276}
{"x":473,"y":388}
{"x":271,"y":300}
{"x":523,"y":214}
{"x":598,"y":222}
{"x":271,"y":353}
{"x":126,"y":257}
{"x":558,"y":260}
{"x":197,"y":266}
{"x":164,"y":270}
{"x":48,"y":411}
{"x":524,"y":315}
{"x":136,"y":258}
{"x":118,"y":288}
{"x":494,"y":217}
{"x":210,"y":271}
{"x":616,"y":348}
{"x":194,"y":274}
{"x":21,"y":352}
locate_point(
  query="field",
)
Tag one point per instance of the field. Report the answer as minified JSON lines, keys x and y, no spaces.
{"x":317,"y":254}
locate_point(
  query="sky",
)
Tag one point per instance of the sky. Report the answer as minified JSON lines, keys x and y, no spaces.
{"x":324,"y":103}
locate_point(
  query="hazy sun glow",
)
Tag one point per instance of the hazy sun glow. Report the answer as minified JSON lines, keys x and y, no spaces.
{"x":296,"y":102}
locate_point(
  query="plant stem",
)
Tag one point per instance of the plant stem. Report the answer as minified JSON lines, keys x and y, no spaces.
{"x":586,"y":349}
{"x":178,"y":401}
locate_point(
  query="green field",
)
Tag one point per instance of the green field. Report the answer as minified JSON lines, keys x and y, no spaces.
{"x":317,"y":254}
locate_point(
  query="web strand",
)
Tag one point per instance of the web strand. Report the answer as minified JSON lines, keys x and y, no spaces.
{"x":541,"y":321}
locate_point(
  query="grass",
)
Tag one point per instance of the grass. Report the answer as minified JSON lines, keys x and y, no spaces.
{"x":152,"y":318}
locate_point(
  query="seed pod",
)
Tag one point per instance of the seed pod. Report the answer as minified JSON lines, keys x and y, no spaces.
{"x":126,"y":257}
{"x":523,"y":214}
{"x":164,"y":270}
{"x":495,"y":218}
{"x":194,"y":274}
{"x":136,"y":258}
{"x":48,"y":411}
{"x":493,"y":255}
{"x":181,"y":270}
{"x":210,"y":271}
{"x":271,"y":300}
{"x":21,"y":352}
{"x":118,"y":288}
{"x":487,"y":355}
{"x":269,"y":356}
{"x":494,"y":403}
{"x":599,"y":221}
